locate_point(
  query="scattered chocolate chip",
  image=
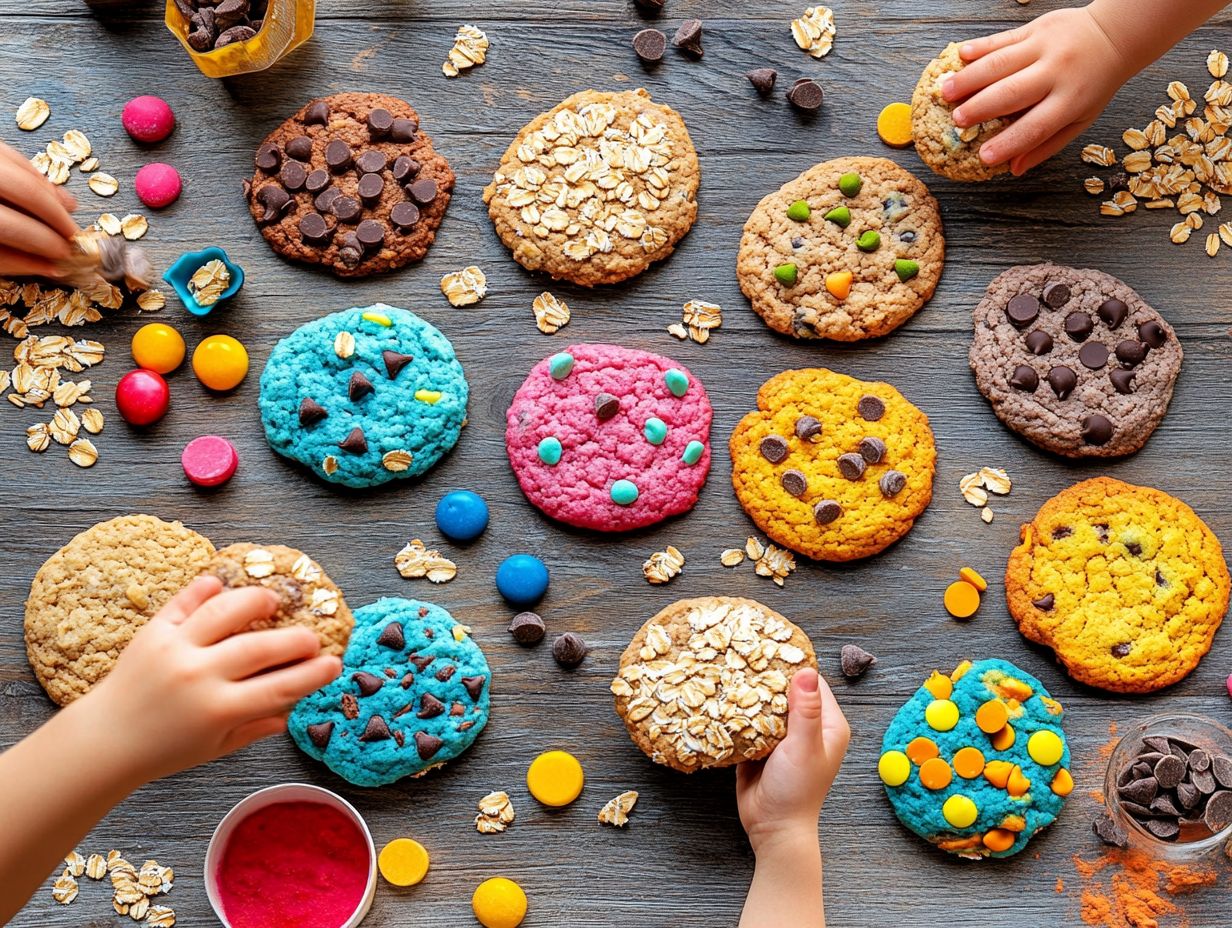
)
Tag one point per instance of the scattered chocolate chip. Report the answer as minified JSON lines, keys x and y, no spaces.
{"x":871,"y":408}
{"x":827,"y":511}
{"x":527,"y":628}
{"x":606,"y":406}
{"x":1199,"y":760}
{"x":1221,"y":767}
{"x":1141,"y":791}
{"x":314,"y":230}
{"x":892,"y":483}
{"x":394,"y":362}
{"x":423,"y":190}
{"x":1153,"y":334}
{"x":376,"y":730}
{"x":233,"y":35}
{"x":371,"y":234}
{"x":359,"y":386}
{"x":356,"y":442}
{"x":380,"y":122}
{"x":1122,"y":380}
{"x":855,"y":661}
{"x":1045,"y":602}
{"x":794,"y":482}
{"x":808,"y":428}
{"x":1078,"y":326}
{"x":569,"y":650}
{"x":872,"y":449}
{"x":368,"y":683}
{"x":1118,"y":181}
{"x":325,"y":199}
{"x":1163,"y":828}
{"x":1112,"y":312}
{"x":773,"y":448}
{"x":310,"y":411}
{"x":1039,"y":342}
{"x":392,"y":636}
{"x":346,"y":209}
{"x":1093,"y":355}
{"x":427,"y":745}
{"x":338,"y":155}
{"x":806,"y":95}
{"x":1204,"y":780}
{"x":1024,"y":378}
{"x":421,"y":661}
{"x":1062,"y":380}
{"x":1218,"y":815}
{"x":429,"y":707}
{"x":1096,"y":429}
{"x":1187,"y":794}
{"x":1120,"y":650}
{"x":1169,"y":770}
{"x":316,"y":181}
{"x":1158,"y":744}
{"x":370,"y":188}
{"x":319,"y":734}
{"x":269,"y":157}
{"x":649,"y":45}
{"x":404,"y":216}
{"x":276,"y":202}
{"x":851,"y":466}
{"x":317,"y":114}
{"x":1110,"y":831}
{"x":688,"y":37}
{"x":403,"y":129}
{"x":405,"y":167}
{"x":350,"y":706}
{"x":474,"y":686}
{"x":1022,"y":310}
{"x":300,"y":148}
{"x":1055,"y":294}
{"x":1162,"y":805}
{"x":763,"y":79}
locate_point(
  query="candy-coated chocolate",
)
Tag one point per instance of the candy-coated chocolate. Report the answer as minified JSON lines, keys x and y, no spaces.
{"x":1004,"y":739}
{"x":220,"y":362}
{"x":142,"y":397}
{"x":1045,"y":747}
{"x":499,"y":903}
{"x":522,"y":579}
{"x":560,"y":365}
{"x":894,"y":768}
{"x":971,"y":576}
{"x":462,"y":515}
{"x":921,"y":749}
{"x":935,"y":773}
{"x":550,"y":450}
{"x":148,"y":119}
{"x":1063,"y":783}
{"x":209,"y":461}
{"x":968,"y":762}
{"x":158,"y":347}
{"x":624,"y":492}
{"x":991,"y":716}
{"x":677,"y":381}
{"x":403,"y":862}
{"x":939,"y":685}
{"x":555,"y":778}
{"x":961,"y":599}
{"x":941,"y":714}
{"x":158,"y":185}
{"x":960,"y":811}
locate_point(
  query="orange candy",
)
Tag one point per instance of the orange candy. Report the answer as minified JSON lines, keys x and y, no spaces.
{"x":1063,"y":783}
{"x":894,"y":125}
{"x":941,"y":686}
{"x":992,"y":716}
{"x":1015,"y":689}
{"x":839,"y":284}
{"x":922,"y":749}
{"x":961,"y":599}
{"x":998,"y":839}
{"x":960,"y":671}
{"x":1004,"y":739}
{"x":1014,"y":823}
{"x":972,"y":576}
{"x":997,"y":772}
{"x":935,"y":773}
{"x":1018,"y":784}
{"x":969,"y":763}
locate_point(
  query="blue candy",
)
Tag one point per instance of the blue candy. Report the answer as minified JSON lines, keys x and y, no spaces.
{"x":462,"y":515}
{"x":522,"y":579}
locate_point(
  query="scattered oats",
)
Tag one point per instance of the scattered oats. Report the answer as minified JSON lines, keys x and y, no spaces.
{"x":75,"y":864}
{"x":138,"y":910}
{"x":64,"y":426}
{"x":1217,"y":63}
{"x":58,"y":172}
{"x":68,"y":392}
{"x":754,"y":549}
{"x":1094,"y":186}
{"x":470,"y":47}
{"x":1225,"y":233}
{"x":415,"y":560}
{"x":89,"y":166}
{"x":551,"y":313}
{"x":678,"y":330}
{"x":32,"y":114}
{"x":1135,"y":139}
{"x":1165,"y":203}
{"x":986,"y":514}
{"x":160,"y":916}
{"x":64,"y":889}
{"x":76,"y":146}
{"x":396,"y":461}
{"x":996,"y":480}
{"x":134,"y":226}
{"x":465,"y":287}
{"x":731,"y":557}
{"x":259,"y":563}
{"x":972,"y":488}
{"x":1136,"y":162}
{"x":96,"y":867}
{"x":616,"y":811}
{"x":103,"y":184}
{"x":41,"y":162}
{"x":495,"y":813}
{"x":1212,"y":244}
{"x":700,"y":317}
{"x":344,"y":344}
{"x":151,"y":301}
{"x":776,"y":564}
{"x":1100,"y":155}
{"x":109,"y":224}
{"x":208,"y":282}
{"x":662,"y":566}
{"x":814,"y":31}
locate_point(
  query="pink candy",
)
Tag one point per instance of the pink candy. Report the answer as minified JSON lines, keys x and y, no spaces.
{"x":210,"y":460}
{"x":1230,"y":685}
{"x":158,"y":185}
{"x":142,"y":397}
{"x":148,"y":119}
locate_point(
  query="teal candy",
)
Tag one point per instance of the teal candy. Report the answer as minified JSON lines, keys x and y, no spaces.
{"x":693,"y":452}
{"x":624,"y":492}
{"x":376,"y":763}
{"x":919,"y":808}
{"x":677,"y":381}
{"x":655,"y":431}
{"x":560,"y":365}
{"x":550,"y":451}
{"x":304,"y":364}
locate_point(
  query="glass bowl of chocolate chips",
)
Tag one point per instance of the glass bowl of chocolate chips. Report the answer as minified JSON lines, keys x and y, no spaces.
{"x":1168,"y":789}
{"x":228,"y":37}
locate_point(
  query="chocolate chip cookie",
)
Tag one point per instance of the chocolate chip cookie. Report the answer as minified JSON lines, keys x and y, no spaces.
{"x":950,"y":151}
{"x":597,"y":189}
{"x":350,"y":183}
{"x":1073,"y":360}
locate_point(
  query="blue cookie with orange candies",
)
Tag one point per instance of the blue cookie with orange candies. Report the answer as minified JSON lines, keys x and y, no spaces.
{"x":364,"y":396}
{"x":413,"y":694}
{"x":976,"y":762}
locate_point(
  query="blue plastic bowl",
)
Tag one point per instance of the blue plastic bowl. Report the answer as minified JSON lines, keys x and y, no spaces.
{"x":188,"y":264}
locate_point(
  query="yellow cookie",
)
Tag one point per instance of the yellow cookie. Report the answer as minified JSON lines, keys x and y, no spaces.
{"x":1126,"y":584}
{"x":833,"y":467}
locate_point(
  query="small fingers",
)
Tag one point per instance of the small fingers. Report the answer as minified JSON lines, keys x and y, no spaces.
{"x":1012,"y":94}
{"x":835,"y":730}
{"x":1041,"y":153}
{"x":1019,"y":137}
{"x":978,"y":48}
{"x":25,"y":233}
{"x":189,"y":600}
{"x":33,"y":194}
{"x":278,"y":690}
{"x":252,"y":731}
{"x":243,"y":655}
{"x":988,"y":70}
{"x":14,"y":263}
{"x":229,"y":612}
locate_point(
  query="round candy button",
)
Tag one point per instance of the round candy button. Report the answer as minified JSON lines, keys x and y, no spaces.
{"x":148,"y":119}
{"x":142,"y":397}
{"x":522,"y":579}
{"x":941,"y":714}
{"x":220,"y":362}
{"x":992,"y":716}
{"x":499,"y":903}
{"x":158,"y":185}
{"x":935,"y":773}
{"x":960,"y":811}
{"x":403,"y":862}
{"x":555,"y":778}
{"x":624,"y":492}
{"x":210,"y":460}
{"x":1045,"y":747}
{"x":894,"y":768}
{"x":158,"y":347}
{"x":462,"y":515}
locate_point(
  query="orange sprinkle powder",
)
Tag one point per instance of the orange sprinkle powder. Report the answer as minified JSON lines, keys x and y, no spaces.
{"x":1127,"y":889}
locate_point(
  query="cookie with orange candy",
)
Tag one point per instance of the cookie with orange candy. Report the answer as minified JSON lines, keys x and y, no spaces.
{"x":976,"y":762}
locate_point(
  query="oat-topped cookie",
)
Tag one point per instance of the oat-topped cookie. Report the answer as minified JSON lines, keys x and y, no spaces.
{"x":704,"y":683}
{"x":597,"y":189}
{"x":947,"y":149}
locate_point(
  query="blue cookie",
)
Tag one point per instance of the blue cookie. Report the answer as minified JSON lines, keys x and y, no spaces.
{"x":976,"y":762}
{"x":364,"y":396}
{"x":413,"y":694}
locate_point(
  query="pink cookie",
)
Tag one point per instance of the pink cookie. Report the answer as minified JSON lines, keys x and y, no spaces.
{"x":209,"y":460}
{"x":157,"y":185}
{"x":609,"y":438}
{"x":148,"y":119}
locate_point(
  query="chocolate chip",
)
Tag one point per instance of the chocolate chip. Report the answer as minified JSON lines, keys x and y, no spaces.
{"x":380,"y":122}
{"x":851,"y":466}
{"x":855,"y":661}
{"x":230,"y":13}
{"x":403,"y":129}
{"x":317,"y":114}
{"x":688,"y":37}
{"x":1204,"y":780}
{"x":422,"y":191}
{"x":326,"y":198}
{"x":1062,"y":531}
{"x":407,"y":680}
{"x":1045,"y":602}
{"x":370,"y":187}
{"x":1118,"y":181}
{"x":368,"y":683}
{"x":1134,"y":548}
{"x":762,"y":79}
{"x":1159,"y":579}
{"x":649,"y":45}
{"x":1122,"y":380}
{"x":421,"y":661}
{"x":1131,"y":352}
{"x":376,"y":730}
{"x":293,"y":175}
{"x":392,"y":636}
{"x":827,"y":511}
{"x":1141,"y":791}
{"x":1079,"y":326}
{"x":1039,"y":342}
{"x":1140,"y":770}
{"x":429,"y":707}
{"x":1218,"y":814}
{"x":371,"y":234}
{"x":394,"y":362}
{"x":1112,"y":312}
{"x":1120,"y":650}
{"x":1187,"y":794}
{"x":1110,"y":831}
{"x":319,"y":734}
{"x":569,"y":650}
{"x":1056,"y":294}
{"x":446,"y":672}
{"x":300,"y":148}
{"x":233,"y":35}
{"x":1221,"y":767}
{"x":871,"y":408}
{"x":356,"y":442}
{"x":806,"y":95}
{"x":1022,"y":310}
{"x":370,"y":162}
{"x":1199,"y":760}
{"x":1163,"y":828}
{"x":1169,"y":770}
{"x":346,"y":209}
{"x":794,"y":482}
{"x":892,"y":483}
{"x":474,"y":686}
{"x":268,"y":157}
{"x":316,"y":181}
{"x":527,"y":628}
{"x":310,"y":411}
{"x":201,"y":40}
{"x":359,"y":387}
{"x":275,"y":200}
{"x":1096,"y":429}
{"x":427,"y":745}
{"x":404,"y":167}
{"x":1153,"y":334}
{"x":1024,"y":378}
{"x":808,"y":428}
{"x":773,"y":448}
{"x":314,"y":230}
{"x":1093,"y":355}
{"x":350,"y":706}
{"x":1101,"y":530}
{"x":1062,"y":380}
{"x":404,"y":216}
{"x":338,"y":155}
{"x":873,"y":450}
{"x":606,"y":406}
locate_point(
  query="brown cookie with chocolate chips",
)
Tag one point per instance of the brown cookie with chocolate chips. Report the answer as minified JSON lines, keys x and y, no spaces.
{"x":350,"y":182}
{"x":1073,"y":360}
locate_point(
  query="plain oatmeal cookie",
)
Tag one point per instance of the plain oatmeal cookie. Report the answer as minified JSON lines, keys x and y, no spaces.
{"x":950,"y":151}
{"x":597,"y":189}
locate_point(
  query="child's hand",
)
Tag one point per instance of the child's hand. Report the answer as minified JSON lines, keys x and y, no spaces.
{"x":1058,"y":71}
{"x":783,"y":795}
{"x":35,"y":225}
{"x":198,"y":686}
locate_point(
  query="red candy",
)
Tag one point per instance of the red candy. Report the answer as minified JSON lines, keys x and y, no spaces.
{"x":142,"y":397}
{"x":210,"y":460}
{"x":158,"y":185}
{"x":148,"y":119}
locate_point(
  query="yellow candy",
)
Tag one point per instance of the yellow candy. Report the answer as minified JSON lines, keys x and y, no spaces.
{"x":220,"y":362}
{"x":973,"y":578}
{"x":1063,"y":783}
{"x":378,"y":318}
{"x":499,"y":903}
{"x":941,"y":715}
{"x":428,"y":396}
{"x":939,"y":685}
{"x":894,"y":125}
{"x":403,"y":862}
{"x":960,"y":671}
{"x":1045,"y":747}
{"x":894,"y":768}
{"x":555,"y":778}
{"x":839,"y":284}
{"x":158,"y":347}
{"x":960,"y":811}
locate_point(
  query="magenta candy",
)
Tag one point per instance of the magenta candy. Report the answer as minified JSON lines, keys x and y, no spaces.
{"x":158,"y":185}
{"x":1230,"y":684}
{"x":210,"y":460}
{"x":148,"y":119}
{"x":142,"y":397}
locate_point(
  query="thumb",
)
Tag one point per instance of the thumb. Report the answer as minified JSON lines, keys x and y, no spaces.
{"x":804,"y":710}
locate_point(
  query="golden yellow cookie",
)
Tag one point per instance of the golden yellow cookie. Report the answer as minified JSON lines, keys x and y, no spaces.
{"x":833,"y":467}
{"x":1126,"y":584}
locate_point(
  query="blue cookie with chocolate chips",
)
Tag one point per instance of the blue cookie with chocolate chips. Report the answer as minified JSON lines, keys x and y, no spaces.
{"x":413,"y":695}
{"x":364,"y":396}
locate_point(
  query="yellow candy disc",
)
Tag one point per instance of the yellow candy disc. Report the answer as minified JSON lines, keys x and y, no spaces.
{"x":960,"y":811}
{"x":894,"y":125}
{"x":403,"y":862}
{"x":1045,"y":748}
{"x":894,"y":768}
{"x":555,"y":778}
{"x":499,"y":903}
{"x":941,"y":715}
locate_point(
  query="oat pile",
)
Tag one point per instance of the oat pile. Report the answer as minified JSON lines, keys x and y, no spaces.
{"x":976,"y":487}
{"x":697,"y":318}
{"x":551,"y":313}
{"x":132,"y":888}
{"x":465,"y":287}
{"x":37,"y":377}
{"x":814,"y":31}
{"x":616,"y":811}
{"x":470,"y":47}
{"x":768,"y":560}
{"x":58,"y":158}
{"x":662,"y":566}
{"x":495,"y":813}
{"x":209,"y":282}
{"x":415,"y":560}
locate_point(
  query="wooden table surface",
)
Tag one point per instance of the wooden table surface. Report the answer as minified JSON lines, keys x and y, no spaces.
{"x":684,"y":860}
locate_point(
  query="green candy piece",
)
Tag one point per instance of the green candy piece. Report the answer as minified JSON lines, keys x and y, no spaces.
{"x":655,"y":430}
{"x":850,"y":184}
{"x":560,"y":365}
{"x":786,"y":274}
{"x":799,"y":211}
{"x":624,"y":493}
{"x":549,"y":451}
{"x":677,"y":381}
{"x":906,"y":269}
{"x":692,"y":452}
{"x":869,"y":241}
{"x":840,"y":216}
